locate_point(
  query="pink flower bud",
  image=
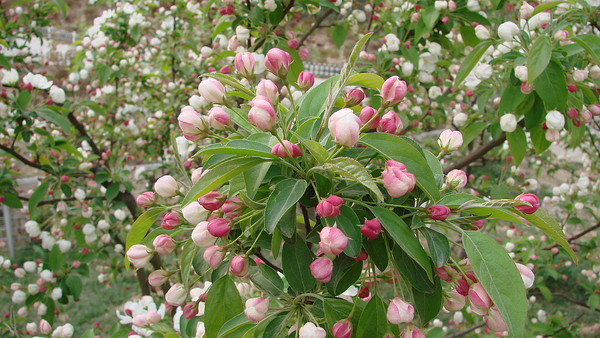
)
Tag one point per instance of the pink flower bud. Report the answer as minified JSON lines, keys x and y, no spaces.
{"x":212,"y":201}
{"x":45,"y":327}
{"x":594,"y":109}
{"x":239,"y":266}
{"x":310,"y":330}
{"x":262,"y":113}
{"x":292,"y":149}
{"x":479,"y":299}
{"x":450,"y":140}
{"x":244,"y":64}
{"x":170,"y":221}
{"x":333,"y":241}
{"x":256,"y":308}
{"x":321,"y":269}
{"x":212,"y":90}
{"x":561,"y":35}
{"x":233,"y":207}
{"x":140,"y":320}
{"x":219,"y":227}
{"x":342,"y":329}
{"x":145,"y":198}
{"x":158,"y":278}
{"x":368,"y":114}
{"x":526,"y":88}
{"x":166,"y":186}
{"x":330,"y":207}
{"x":532,"y":199}
{"x":400,"y":311}
{"x":445,"y":273}
{"x":390,"y":123}
{"x":278,"y":61}
{"x":438,"y":212}
{"x":190,"y":310}
{"x":396,"y":180}
{"x":456,"y":179}
{"x":354,"y":97}
{"x":412,"y":331}
{"x":526,"y":274}
{"x":163,"y":244}
{"x":198,"y":173}
{"x":393,"y":91}
{"x":305,"y":80}
{"x":344,"y":126}
{"x":494,"y":321}
{"x":454,"y":301}
{"x":214,"y":255}
{"x":479,"y":224}
{"x":192,"y":124}
{"x":201,"y":237}
{"x":218,"y":118}
{"x":371,"y":229}
{"x":176,"y":295}
{"x":139,"y":255}
{"x":268,"y":89}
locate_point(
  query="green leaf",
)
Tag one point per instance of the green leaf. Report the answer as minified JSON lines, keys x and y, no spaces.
{"x":56,"y":118}
{"x":61,"y":6}
{"x":239,"y":147}
{"x":551,"y":86}
{"x":416,"y":275}
{"x":346,"y":272}
{"x":366,"y":80}
{"x":56,"y":260}
{"x":339,"y":34}
{"x":38,"y":195}
{"x":23,"y":100}
{"x":517,"y":142}
{"x":223,"y":23}
{"x":511,"y":98}
{"x":401,"y":234}
{"x":89,"y":334}
{"x":141,"y":225}
{"x":268,"y":281}
{"x":223,"y":302}
{"x":539,"y":57}
{"x":439,"y":247}
{"x":186,"y":259}
{"x":546,"y":6}
{"x":468,"y":35}
{"x":228,"y":80}
{"x":354,"y":171}
{"x":285,"y":196}
{"x":254,"y":177}
{"x":499,"y":276}
{"x":494,"y":212}
{"x":12,"y":201}
{"x":373,"y":321}
{"x":542,"y":220}
{"x":112,"y":191}
{"x":428,"y":305}
{"x":375,"y":248}
{"x":236,"y":327}
{"x":398,"y":149}
{"x":314,"y":101}
{"x":220,"y":174}
{"x":471,"y":131}
{"x":75,"y":285}
{"x":316,"y":150}
{"x":471,"y":61}
{"x":296,"y":259}
{"x":591,"y":44}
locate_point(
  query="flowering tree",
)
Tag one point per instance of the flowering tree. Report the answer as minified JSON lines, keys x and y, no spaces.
{"x":308,"y":210}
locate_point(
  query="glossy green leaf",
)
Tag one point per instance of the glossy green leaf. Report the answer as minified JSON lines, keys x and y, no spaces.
{"x":296,"y":259}
{"x":268,"y":281}
{"x":439,"y":246}
{"x":56,"y":259}
{"x":314,"y":101}
{"x":61,"y":6}
{"x":428,"y":305}
{"x":398,"y":149}
{"x":415,"y":274}
{"x":339,"y":34}
{"x":375,"y":248}
{"x":141,"y":225}
{"x":285,"y":196}
{"x":239,"y":147}
{"x":591,"y":43}
{"x":542,"y":220}
{"x":457,"y":199}
{"x":56,"y":118}
{"x":223,"y":302}
{"x":539,"y":57}
{"x":546,"y":6}
{"x":186,"y":259}
{"x":38,"y":195}
{"x":551,"y":87}
{"x":498,"y":274}
{"x":236,"y":327}
{"x":75,"y":285}
{"x":517,"y":142}
{"x":348,"y":222}
{"x":471,"y":61}
{"x":367,"y":80}
{"x":353,"y":171}
{"x":401,"y":233}
{"x":220,"y":174}
{"x":346,"y":272}
{"x":316,"y":150}
{"x":373,"y":321}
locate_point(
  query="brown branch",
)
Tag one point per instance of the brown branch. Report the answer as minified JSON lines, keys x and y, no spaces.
{"x":565,"y":327}
{"x":316,"y":25}
{"x":464,"y":332}
{"x":476,"y":154}
{"x":576,"y":236}
{"x":21,"y":157}
{"x":81,"y":129}
{"x":574,"y":301}
{"x":266,"y":261}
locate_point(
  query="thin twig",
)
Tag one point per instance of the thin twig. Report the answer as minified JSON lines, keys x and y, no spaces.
{"x":462,"y":333}
{"x":476,"y":154}
{"x":576,"y":236}
{"x":266,"y":261}
{"x":316,"y":25}
{"x":574,"y":301}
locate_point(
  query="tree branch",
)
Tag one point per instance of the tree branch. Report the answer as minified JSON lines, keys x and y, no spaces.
{"x":315,"y":26}
{"x":266,"y":261}
{"x":81,"y":129}
{"x":574,"y":301}
{"x":462,"y":333}
{"x":21,"y":158}
{"x":576,"y":236}
{"x":476,"y":154}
